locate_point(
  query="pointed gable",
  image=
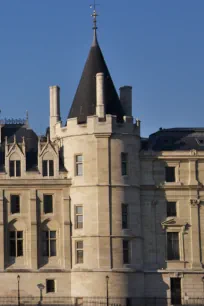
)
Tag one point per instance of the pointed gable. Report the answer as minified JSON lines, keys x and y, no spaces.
{"x":84,"y":103}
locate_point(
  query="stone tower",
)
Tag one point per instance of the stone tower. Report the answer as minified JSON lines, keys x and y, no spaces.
{"x":99,"y":142}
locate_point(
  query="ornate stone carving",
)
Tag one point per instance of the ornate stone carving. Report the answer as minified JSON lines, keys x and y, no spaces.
{"x":193,"y":152}
{"x":194,"y":202}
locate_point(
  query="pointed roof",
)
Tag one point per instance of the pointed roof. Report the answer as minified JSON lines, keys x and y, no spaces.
{"x":84,"y":103}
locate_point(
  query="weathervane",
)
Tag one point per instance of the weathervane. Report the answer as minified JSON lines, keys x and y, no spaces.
{"x":94,"y":15}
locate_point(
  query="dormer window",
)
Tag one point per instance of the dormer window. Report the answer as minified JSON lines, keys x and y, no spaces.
{"x":15,"y":168}
{"x":48,"y":168}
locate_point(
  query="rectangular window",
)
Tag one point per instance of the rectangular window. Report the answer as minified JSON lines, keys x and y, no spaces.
{"x":173,"y":246}
{"x":79,"y":165}
{"x":15,"y":168}
{"x":126,"y":259}
{"x":16,"y":243}
{"x":124,"y":163}
{"x":49,"y":243}
{"x":170,"y":174}
{"x":48,"y":168}
{"x":79,"y":301}
{"x":50,"y":285}
{"x":79,"y":252}
{"x":171,"y":209}
{"x":79,"y":216}
{"x":15,"y":204}
{"x":48,"y":203}
{"x":176,"y":291}
{"x":124,"y":216}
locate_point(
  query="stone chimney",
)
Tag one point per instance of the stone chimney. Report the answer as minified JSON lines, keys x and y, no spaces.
{"x":100,"y":110}
{"x":126,"y":99}
{"x":54,"y":108}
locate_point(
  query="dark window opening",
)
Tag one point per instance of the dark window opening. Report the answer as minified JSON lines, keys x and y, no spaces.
{"x":171,"y":209}
{"x":79,"y":252}
{"x":15,"y":204}
{"x":16,"y":243}
{"x":124,"y":216}
{"x":15,"y":168}
{"x":79,"y":216}
{"x":126,"y":258}
{"x":50,"y":285}
{"x":170,"y":174}
{"x":49,"y":243}
{"x":176,"y":291}
{"x":48,"y":203}
{"x":48,"y":168}
{"x":124,"y":163}
{"x":173,"y":246}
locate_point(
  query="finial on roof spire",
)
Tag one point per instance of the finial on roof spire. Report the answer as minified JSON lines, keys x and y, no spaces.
{"x":94,"y":15}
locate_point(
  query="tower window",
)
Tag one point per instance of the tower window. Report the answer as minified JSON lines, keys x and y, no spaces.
{"x":48,"y":203}
{"x":171,"y":209}
{"x":126,"y":251}
{"x":48,"y":168}
{"x":16,"y":243}
{"x":79,"y":252}
{"x":173,"y":246}
{"x":124,"y":163}
{"x":15,"y":204}
{"x":170,"y":174}
{"x":124,"y":216}
{"x":50,"y":285}
{"x":79,"y":216}
{"x":15,"y":168}
{"x":49,"y":243}
{"x":79,"y":165}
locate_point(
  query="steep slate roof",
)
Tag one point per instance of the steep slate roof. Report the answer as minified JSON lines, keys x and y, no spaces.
{"x":84,"y":103}
{"x":175,"y":139}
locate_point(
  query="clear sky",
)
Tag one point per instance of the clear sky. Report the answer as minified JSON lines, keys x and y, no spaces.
{"x":157,"y":46}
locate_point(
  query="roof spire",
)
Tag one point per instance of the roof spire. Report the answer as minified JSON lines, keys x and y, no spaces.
{"x":94,"y":15}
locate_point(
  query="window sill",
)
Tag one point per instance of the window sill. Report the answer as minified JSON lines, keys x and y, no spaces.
{"x":175,"y":261}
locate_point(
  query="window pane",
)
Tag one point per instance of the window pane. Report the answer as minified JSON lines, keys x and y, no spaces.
{"x":52,"y":234}
{"x":48,"y":207}
{"x":44,"y":167}
{"x":173,"y":246}
{"x":124,"y":216}
{"x":50,"y":285}
{"x":15,"y":204}
{"x":19,"y":234}
{"x":79,"y":169}
{"x":52,"y":247}
{"x":79,"y":244}
{"x":45,"y":246}
{"x":125,"y":251}
{"x":12,"y":248}
{"x":170,"y":174}
{"x":79,"y":158}
{"x":51,"y":168}
{"x":79,"y":256}
{"x":171,"y":209}
{"x":12,"y":234}
{"x":18,"y":168}
{"x":79,"y":209}
{"x":19,"y":247}
{"x":11,"y":168}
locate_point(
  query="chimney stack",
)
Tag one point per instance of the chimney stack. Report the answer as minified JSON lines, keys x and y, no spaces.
{"x":126,"y":99}
{"x":54,"y":108}
{"x":100,"y":110}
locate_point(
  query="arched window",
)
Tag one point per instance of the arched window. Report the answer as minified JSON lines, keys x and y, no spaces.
{"x":16,"y":238}
{"x":49,"y":238}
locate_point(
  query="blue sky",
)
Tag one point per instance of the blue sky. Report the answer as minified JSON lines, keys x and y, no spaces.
{"x":156,"y":46}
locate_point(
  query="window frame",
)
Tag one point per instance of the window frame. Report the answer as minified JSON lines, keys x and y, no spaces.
{"x":49,"y":170}
{"x":78,"y":215}
{"x":124,"y":162}
{"x":15,"y":168}
{"x":46,"y":243}
{"x":78,"y":250}
{"x":54,"y":282}
{"x":167,"y":179}
{"x":168,"y":209}
{"x":44,"y":210}
{"x":174,"y":258}
{"x":15,"y":211}
{"x":17,"y":241}
{"x":79,"y":163}
{"x":127,"y":250}
{"x":125,"y":215}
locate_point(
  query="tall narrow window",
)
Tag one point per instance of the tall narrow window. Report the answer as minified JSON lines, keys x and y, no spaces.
{"x":49,"y":243}
{"x":15,"y":168}
{"x":79,"y":252}
{"x":48,"y":203}
{"x":79,"y":216}
{"x":48,"y":168}
{"x":176,"y":291}
{"x":171,"y":209}
{"x":16,"y":243}
{"x":124,"y":216}
{"x":15,"y":204}
{"x":126,"y":255}
{"x":79,"y":165}
{"x":173,"y":246}
{"x":50,"y":285}
{"x":170,"y":174}
{"x":124,"y":163}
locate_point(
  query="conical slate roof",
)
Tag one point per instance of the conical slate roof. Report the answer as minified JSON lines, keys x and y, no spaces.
{"x":84,"y":103}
